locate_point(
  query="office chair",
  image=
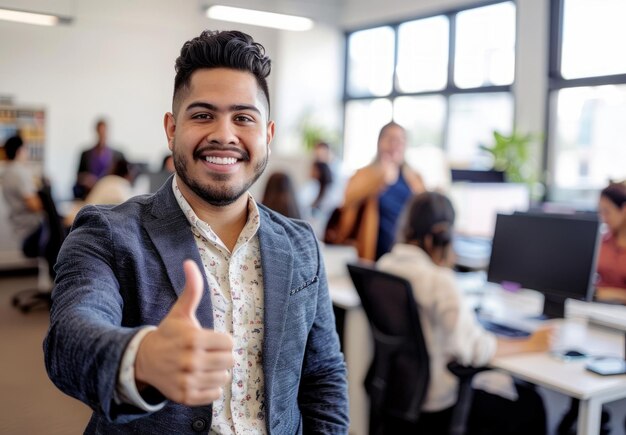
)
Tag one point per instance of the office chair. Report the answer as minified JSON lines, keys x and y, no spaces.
{"x":398,"y":378}
{"x":29,"y":299}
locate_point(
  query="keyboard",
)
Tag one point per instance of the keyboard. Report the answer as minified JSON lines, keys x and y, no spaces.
{"x":502,"y":330}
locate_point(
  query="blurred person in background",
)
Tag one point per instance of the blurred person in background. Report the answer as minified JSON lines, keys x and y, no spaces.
{"x":21,"y":195}
{"x":376,"y":194}
{"x":280,"y":196}
{"x":611,"y":285}
{"x":425,"y":258}
{"x":96,"y":162}
{"x":114,"y":188}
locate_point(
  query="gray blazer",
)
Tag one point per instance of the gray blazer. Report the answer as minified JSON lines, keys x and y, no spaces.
{"x":121,"y":268}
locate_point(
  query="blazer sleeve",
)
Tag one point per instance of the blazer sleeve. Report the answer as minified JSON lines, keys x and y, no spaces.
{"x":323,"y":396}
{"x":85,"y":341}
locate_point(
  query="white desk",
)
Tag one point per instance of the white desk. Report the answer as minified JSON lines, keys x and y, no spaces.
{"x":569,"y":378}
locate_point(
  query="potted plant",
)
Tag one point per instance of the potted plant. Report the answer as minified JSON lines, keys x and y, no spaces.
{"x":511,"y":154}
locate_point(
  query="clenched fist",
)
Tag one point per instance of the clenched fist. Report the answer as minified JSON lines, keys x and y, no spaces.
{"x":185,"y":362}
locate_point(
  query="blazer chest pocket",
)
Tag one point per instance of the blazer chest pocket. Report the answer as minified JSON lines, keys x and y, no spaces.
{"x":304,"y":284}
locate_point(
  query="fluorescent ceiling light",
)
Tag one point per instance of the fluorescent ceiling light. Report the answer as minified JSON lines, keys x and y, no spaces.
{"x":259,"y":18}
{"x":32,"y":17}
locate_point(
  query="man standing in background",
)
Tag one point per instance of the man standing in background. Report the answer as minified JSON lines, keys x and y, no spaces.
{"x":96,"y":162}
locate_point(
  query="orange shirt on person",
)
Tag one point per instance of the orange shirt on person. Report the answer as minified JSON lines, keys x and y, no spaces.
{"x":611,"y":263}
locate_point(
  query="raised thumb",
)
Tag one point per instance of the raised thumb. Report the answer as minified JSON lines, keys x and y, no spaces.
{"x":189,"y":299}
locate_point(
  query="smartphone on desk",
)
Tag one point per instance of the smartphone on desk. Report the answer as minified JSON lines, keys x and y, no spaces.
{"x":607,"y":366}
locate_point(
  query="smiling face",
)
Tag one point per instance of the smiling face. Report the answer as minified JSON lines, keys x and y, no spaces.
{"x":219,"y":135}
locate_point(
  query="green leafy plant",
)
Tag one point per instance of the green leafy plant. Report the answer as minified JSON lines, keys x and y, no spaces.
{"x":312,"y":132}
{"x":511,"y":154}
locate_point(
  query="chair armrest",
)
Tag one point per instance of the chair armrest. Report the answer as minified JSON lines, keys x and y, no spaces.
{"x":463,"y":405}
{"x":465,"y":373}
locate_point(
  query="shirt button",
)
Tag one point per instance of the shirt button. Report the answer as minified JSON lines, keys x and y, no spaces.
{"x":198,"y":424}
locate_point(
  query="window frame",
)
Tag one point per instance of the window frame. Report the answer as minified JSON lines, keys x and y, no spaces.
{"x":450,"y":88}
{"x":556,"y":83}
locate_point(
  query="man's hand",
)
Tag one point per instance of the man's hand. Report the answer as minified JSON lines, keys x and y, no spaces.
{"x":186,"y":363}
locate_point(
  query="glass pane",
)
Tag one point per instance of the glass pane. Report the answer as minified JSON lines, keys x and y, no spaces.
{"x":589,"y":146}
{"x":423,"y":55}
{"x":593,"y":38}
{"x":370,"y":62}
{"x":473,"y":117}
{"x":485,"y":46}
{"x":423,"y":117}
{"x":364,"y":120}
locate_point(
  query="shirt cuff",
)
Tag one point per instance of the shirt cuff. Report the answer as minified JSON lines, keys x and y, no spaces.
{"x":126,"y":391}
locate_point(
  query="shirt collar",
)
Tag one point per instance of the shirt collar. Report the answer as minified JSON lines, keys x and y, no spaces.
{"x":201,"y":228}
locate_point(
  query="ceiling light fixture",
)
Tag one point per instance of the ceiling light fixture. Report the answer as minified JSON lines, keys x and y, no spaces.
{"x":259,"y":18}
{"x":33,"y":17}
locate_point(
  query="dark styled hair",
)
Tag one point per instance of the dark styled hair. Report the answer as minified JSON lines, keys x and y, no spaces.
{"x":616,"y":193}
{"x":280,"y":195}
{"x":221,"y":49}
{"x":428,"y":213}
{"x":12,"y":145}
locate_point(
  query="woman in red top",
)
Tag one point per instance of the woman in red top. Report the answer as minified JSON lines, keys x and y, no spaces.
{"x":612,"y":259}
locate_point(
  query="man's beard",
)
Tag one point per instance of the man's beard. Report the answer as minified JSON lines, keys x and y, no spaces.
{"x":213,"y":195}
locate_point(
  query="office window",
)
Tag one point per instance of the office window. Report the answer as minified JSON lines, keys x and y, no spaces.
{"x":593,"y":38}
{"x":364,"y":119}
{"x":587,"y":104}
{"x":590,"y":136}
{"x":370,"y":63}
{"x":472,"y":119}
{"x":446,"y":78}
{"x":423,"y":67}
{"x":423,"y":117}
{"x":485,"y":46}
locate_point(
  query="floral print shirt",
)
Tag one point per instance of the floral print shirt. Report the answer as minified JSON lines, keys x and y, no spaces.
{"x":236,"y":288}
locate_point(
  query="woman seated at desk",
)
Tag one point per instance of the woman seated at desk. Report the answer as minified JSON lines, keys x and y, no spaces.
{"x":451,"y":330}
{"x":611,"y":285}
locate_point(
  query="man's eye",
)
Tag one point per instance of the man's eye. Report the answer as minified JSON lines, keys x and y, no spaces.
{"x":201,"y":116}
{"x":243,"y":118}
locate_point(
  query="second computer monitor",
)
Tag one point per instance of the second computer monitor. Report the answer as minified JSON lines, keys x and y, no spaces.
{"x":553,"y":254}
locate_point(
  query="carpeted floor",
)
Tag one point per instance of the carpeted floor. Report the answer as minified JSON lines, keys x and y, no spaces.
{"x":29,"y":402}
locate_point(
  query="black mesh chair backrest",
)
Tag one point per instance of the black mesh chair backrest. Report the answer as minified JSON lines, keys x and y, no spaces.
{"x":398,"y":378}
{"x":54,"y":225}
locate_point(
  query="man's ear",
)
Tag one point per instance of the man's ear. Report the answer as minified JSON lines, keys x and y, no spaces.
{"x":271,"y":127}
{"x":169,"y":122}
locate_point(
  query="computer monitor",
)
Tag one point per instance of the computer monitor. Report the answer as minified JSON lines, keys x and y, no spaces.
{"x":477,"y":176}
{"x":553,"y":254}
{"x":477,"y":204}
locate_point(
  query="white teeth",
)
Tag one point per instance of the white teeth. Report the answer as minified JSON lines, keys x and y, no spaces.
{"x":221,"y":160}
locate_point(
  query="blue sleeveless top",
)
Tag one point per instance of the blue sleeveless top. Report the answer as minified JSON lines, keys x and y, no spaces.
{"x":390,"y":205}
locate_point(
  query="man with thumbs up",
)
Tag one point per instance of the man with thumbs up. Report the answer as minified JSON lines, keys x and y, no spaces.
{"x":197,"y":310}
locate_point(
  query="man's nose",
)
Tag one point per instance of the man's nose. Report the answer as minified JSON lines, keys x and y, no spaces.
{"x":222,"y":132}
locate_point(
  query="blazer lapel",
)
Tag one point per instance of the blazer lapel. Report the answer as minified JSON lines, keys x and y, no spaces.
{"x":277,"y":263}
{"x":171,"y":234}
